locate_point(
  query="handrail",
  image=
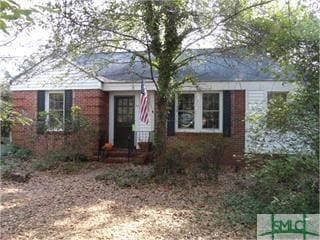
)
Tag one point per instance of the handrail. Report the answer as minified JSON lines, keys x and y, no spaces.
{"x":136,"y":137}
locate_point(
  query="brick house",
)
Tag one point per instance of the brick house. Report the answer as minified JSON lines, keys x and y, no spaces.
{"x":228,"y":88}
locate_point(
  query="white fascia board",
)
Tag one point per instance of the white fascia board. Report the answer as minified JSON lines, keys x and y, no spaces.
{"x":265,"y":85}
{"x":35,"y":87}
{"x":240,"y":85}
{"x":118,"y":86}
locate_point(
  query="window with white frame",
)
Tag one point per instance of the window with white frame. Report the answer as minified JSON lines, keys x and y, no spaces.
{"x":55,"y":110}
{"x":199,"y":112}
{"x":186,"y":111}
{"x":210,"y":110}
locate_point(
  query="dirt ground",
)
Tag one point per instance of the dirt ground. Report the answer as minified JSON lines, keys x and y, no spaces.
{"x":76,"y":206}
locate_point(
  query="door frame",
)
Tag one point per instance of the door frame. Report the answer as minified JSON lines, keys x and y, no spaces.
{"x":112,"y":96}
{"x":136,"y":94}
{"x":116,"y":113}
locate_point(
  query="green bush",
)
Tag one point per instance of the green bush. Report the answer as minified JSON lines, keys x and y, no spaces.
{"x":132,"y":176}
{"x":16,"y":160}
{"x":287,"y":184}
{"x":44,"y":165}
{"x":79,"y":136}
{"x":60,"y":160}
{"x":20,"y":153}
{"x":200,"y":159}
{"x":6,"y":169}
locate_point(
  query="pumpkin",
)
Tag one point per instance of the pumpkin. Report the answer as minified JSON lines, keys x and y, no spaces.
{"x":107,"y":147}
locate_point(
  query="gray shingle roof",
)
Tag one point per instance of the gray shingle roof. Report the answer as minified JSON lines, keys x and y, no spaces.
{"x":207,"y":67}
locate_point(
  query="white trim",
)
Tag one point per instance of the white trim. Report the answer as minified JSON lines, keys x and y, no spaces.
{"x":208,"y":86}
{"x":15,"y":88}
{"x":195,"y":102}
{"x":46,"y":107}
{"x":261,"y":85}
{"x":198,"y":98}
{"x":137,"y":123}
{"x":214,"y":130}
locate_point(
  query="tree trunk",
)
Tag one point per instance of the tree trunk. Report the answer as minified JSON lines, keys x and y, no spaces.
{"x":161,"y":134}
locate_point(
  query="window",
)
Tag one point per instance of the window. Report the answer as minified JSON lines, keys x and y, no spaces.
{"x":55,"y":109}
{"x":199,"y":112}
{"x":186,"y":111}
{"x":210,"y":110}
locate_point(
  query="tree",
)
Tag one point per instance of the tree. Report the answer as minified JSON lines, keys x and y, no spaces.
{"x":11,"y":11}
{"x":10,"y":14}
{"x":282,"y":182}
{"x":163,"y":30}
{"x":291,"y":37}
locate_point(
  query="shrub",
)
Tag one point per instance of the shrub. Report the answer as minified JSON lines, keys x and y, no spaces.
{"x":15,"y":161}
{"x":197,"y":160}
{"x":44,"y":165}
{"x":59,"y":160}
{"x":132,"y":176}
{"x":20,"y":153}
{"x":6,"y":169}
{"x":287,"y":184}
{"x":79,"y":136}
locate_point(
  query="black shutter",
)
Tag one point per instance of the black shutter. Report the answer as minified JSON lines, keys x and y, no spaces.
{"x":170,"y":121}
{"x":67,"y":109}
{"x":40,"y":108}
{"x":226,"y":113}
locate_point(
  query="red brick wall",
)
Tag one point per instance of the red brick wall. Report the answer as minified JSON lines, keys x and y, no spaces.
{"x":94,"y":106}
{"x":233,"y":145}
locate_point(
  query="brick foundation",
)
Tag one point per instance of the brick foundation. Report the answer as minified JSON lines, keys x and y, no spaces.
{"x":94,"y":106}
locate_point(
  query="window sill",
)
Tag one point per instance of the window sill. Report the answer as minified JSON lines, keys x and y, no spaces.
{"x":55,"y":131}
{"x":198,"y":131}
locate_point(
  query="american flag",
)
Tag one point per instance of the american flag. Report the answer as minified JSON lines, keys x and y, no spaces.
{"x":144,"y":104}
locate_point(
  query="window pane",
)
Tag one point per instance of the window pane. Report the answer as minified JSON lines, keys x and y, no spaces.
{"x":186,"y":102}
{"x":210,"y":110}
{"x":56,"y":119}
{"x":186,"y":111}
{"x":56,"y":106}
{"x":210,"y":101}
{"x":210,"y":120}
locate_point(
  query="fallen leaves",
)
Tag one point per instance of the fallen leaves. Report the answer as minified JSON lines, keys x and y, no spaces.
{"x":52,"y":206}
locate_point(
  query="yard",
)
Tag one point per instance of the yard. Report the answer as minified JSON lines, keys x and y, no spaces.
{"x":76,"y":206}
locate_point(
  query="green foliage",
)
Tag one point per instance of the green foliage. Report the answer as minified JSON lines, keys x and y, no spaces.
{"x":78,"y":134}
{"x":164,"y":30}
{"x":287,"y":184}
{"x":9,"y":117}
{"x":11,"y":11}
{"x":130,"y":176}
{"x":7,"y":168}
{"x":197,"y":159}
{"x":287,"y":180}
{"x":61,"y":161}
{"x":78,"y":137}
{"x":17,"y":152}
{"x":17,"y":159}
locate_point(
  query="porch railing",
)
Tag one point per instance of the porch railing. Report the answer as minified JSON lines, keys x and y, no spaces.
{"x":136,"y":137}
